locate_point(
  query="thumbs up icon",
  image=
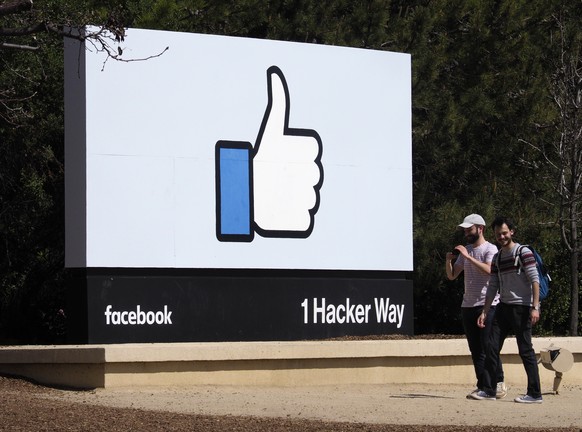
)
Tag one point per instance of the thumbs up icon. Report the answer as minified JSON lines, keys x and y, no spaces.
{"x":272,"y":188}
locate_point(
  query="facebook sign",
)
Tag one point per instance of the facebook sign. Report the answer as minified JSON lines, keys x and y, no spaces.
{"x":233,"y":170}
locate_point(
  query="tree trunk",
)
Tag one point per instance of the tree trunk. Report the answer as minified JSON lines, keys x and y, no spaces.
{"x":573,"y":274}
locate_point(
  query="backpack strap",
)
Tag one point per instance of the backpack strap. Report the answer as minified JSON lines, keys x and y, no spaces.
{"x":518,"y":261}
{"x":497,"y":263}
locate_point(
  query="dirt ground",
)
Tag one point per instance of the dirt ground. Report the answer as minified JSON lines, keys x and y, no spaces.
{"x":25,"y":406}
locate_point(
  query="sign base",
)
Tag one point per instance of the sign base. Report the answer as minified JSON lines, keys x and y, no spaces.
{"x":175,"y":305}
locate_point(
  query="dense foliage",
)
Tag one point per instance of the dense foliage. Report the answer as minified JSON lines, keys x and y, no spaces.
{"x":485,"y":125}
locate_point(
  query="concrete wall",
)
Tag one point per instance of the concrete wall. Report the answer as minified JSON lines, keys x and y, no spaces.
{"x":272,"y":363}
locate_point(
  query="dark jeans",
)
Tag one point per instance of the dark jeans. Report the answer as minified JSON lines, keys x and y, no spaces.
{"x":512,"y":319}
{"x":478,"y":340}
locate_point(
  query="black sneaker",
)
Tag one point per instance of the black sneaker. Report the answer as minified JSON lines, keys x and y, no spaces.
{"x":528,"y":399}
{"x":481,"y":395}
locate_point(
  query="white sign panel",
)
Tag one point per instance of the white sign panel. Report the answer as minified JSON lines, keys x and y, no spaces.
{"x":238,"y":153}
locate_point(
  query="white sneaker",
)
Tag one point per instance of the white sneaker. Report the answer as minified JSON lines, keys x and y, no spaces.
{"x":501,"y":390}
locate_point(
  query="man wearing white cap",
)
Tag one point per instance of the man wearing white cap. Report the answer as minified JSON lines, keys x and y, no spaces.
{"x":475,"y":261}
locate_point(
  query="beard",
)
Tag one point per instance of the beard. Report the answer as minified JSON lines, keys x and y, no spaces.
{"x":471,"y":238}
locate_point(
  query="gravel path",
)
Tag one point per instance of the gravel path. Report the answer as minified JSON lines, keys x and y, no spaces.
{"x":28,"y":407}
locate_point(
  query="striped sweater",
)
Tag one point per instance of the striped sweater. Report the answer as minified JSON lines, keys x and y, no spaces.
{"x":514,"y":288}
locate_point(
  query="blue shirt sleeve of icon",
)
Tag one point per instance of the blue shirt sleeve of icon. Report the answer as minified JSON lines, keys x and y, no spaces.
{"x":234,"y":189}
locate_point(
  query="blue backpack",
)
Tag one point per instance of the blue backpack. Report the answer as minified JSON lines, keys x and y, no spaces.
{"x":543,"y":274}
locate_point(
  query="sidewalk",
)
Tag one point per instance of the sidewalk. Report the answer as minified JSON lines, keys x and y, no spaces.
{"x":380,"y":404}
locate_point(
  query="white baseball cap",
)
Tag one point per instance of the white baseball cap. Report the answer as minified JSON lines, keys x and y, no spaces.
{"x":472,"y":219}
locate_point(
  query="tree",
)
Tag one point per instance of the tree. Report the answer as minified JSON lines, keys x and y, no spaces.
{"x":26,"y":27}
{"x":563,"y":155}
{"x":478,"y":87}
{"x":481,"y":100}
{"x":567,"y":93}
{"x":32,"y":301}
{"x":28,"y":21}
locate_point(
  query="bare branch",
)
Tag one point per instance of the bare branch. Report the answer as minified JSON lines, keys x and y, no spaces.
{"x":4,"y":45}
{"x":23,"y":31}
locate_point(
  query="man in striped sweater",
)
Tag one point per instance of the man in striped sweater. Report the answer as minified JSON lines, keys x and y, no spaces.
{"x":516,"y":280}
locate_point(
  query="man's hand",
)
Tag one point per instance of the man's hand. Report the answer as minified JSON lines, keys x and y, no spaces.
{"x":462,"y":250}
{"x":535,"y":316}
{"x":481,"y":320}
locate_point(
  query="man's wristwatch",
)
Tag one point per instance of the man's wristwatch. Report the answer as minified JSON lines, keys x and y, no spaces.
{"x":536,"y":308}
